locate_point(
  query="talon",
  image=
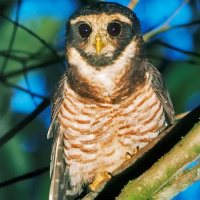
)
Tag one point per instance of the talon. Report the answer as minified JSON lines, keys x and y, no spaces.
{"x":135,"y":150}
{"x":99,"y":178}
{"x":128,"y":156}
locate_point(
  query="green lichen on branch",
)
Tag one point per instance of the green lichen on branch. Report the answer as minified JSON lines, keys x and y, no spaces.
{"x":153,"y":180}
{"x":179,"y":183}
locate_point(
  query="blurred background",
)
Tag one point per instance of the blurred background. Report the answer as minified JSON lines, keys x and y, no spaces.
{"x":32,"y":59}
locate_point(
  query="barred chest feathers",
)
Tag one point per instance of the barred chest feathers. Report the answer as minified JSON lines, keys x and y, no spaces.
{"x":97,"y":135}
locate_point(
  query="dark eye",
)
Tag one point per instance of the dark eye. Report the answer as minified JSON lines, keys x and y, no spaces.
{"x":114,"y":29}
{"x":84,"y":30}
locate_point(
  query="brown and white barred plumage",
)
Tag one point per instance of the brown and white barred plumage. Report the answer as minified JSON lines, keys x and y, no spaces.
{"x":100,"y":114}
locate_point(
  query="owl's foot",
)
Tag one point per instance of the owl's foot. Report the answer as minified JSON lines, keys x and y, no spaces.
{"x":129,"y":156}
{"x":135,"y":150}
{"x":99,"y":178}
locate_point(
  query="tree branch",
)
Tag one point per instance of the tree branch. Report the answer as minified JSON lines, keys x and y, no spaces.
{"x":177,"y":49}
{"x":22,"y":89}
{"x":165,"y":26}
{"x":192,"y":62}
{"x":36,"y":36}
{"x":14,"y":32}
{"x":10,"y":134}
{"x":132,"y":4}
{"x":32,"y":67}
{"x":145,"y":158}
{"x":179,"y":183}
{"x":23,"y":177}
{"x":151,"y":181}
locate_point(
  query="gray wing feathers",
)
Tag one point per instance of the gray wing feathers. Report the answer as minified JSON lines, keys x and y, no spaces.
{"x":161,"y":92}
{"x":54,"y":123}
{"x":58,"y":170}
{"x":55,"y":106}
{"x":58,"y":176}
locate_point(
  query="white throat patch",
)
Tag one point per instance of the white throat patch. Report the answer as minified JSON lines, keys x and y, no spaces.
{"x":106,"y":76}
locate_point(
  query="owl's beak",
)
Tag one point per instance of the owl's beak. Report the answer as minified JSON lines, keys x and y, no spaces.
{"x":99,"y":43}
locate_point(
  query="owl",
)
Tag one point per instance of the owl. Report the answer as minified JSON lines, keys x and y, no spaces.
{"x":109,"y":101}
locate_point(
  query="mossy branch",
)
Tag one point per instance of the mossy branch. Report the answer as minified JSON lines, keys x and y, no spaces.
{"x":169,"y":166}
{"x":179,"y":183}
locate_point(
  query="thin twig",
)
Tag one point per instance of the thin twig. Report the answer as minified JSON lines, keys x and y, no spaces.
{"x":12,"y":37}
{"x":34,"y":67}
{"x":24,"y":176}
{"x":36,"y":36}
{"x":22,"y":89}
{"x":132,"y":4}
{"x":192,"y":23}
{"x":18,"y":51}
{"x":13,"y":57}
{"x":175,"y":13}
{"x":10,"y":134}
{"x":38,"y":54}
{"x":192,"y":62}
{"x":177,"y":49}
{"x":165,"y":26}
{"x":146,"y":36}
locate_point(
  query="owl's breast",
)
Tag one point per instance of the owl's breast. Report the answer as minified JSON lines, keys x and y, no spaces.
{"x":98,"y":135}
{"x":89,"y":131}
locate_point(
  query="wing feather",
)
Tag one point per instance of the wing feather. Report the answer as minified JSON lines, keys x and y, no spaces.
{"x":59,"y":174}
{"x":160,"y":89}
{"x":58,"y":169}
{"x":55,"y":106}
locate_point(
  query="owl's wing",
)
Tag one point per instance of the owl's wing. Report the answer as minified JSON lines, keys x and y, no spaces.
{"x":55,"y":106}
{"x":58,"y":171}
{"x":59,"y":175}
{"x":160,"y":89}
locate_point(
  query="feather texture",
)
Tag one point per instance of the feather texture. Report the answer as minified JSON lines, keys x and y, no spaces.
{"x":106,"y":104}
{"x":159,"y":88}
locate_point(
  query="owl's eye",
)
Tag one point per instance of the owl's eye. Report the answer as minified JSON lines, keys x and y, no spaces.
{"x":114,"y":29}
{"x":84,"y":30}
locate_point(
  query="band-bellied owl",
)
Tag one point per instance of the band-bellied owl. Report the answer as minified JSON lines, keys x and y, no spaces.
{"x":109,"y":101}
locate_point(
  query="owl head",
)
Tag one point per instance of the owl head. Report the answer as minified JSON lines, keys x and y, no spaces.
{"x":101,"y":32}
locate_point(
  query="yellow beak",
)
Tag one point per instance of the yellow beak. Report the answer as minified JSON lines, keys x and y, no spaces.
{"x":99,"y":43}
